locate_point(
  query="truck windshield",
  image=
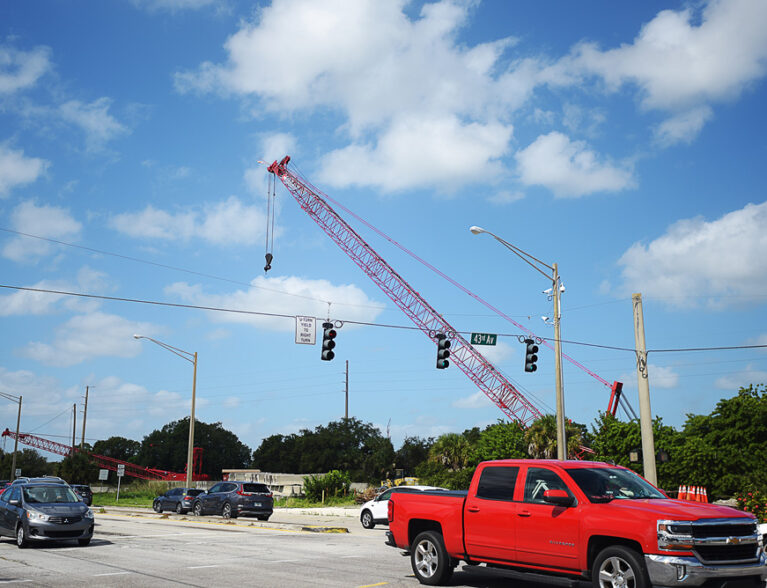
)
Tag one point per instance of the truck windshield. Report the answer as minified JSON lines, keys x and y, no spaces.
{"x":606,"y":484}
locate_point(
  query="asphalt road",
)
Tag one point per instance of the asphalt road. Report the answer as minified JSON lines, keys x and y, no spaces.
{"x":140,"y":548}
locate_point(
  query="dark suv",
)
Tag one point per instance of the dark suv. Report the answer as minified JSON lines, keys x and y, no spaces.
{"x":84,"y":492}
{"x":44,"y":511}
{"x":233,"y":499}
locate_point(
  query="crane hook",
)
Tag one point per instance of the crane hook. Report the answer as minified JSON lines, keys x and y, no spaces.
{"x":268,"y":265}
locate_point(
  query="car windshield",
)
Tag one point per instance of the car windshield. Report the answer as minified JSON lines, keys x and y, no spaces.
{"x":49,"y":494}
{"x":606,"y":484}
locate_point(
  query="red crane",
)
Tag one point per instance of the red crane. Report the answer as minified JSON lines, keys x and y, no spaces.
{"x":110,"y":463}
{"x":469,"y":360}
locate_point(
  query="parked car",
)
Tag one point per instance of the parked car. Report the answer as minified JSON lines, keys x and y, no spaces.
{"x":84,"y":492}
{"x":44,"y":511}
{"x":179,"y":499}
{"x":373,"y":512}
{"x":40,"y":479}
{"x":233,"y":499}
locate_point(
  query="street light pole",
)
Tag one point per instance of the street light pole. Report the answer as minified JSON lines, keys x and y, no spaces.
{"x":191,"y":358}
{"x":556,"y":290}
{"x":16,"y":399}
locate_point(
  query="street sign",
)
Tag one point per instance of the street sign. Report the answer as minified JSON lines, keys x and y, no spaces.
{"x":483,"y":338}
{"x":306,"y":330}
{"x":120,"y":470}
{"x":103,"y":475}
{"x":18,"y":472}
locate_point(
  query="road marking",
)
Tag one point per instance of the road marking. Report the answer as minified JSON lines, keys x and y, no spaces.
{"x":283,"y":561}
{"x":201,"y":567}
{"x":112,"y":574}
{"x":15,"y":581}
{"x":371,"y":585}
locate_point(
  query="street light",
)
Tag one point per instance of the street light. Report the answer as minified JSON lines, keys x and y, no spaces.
{"x":14,"y":398}
{"x":556,"y":290}
{"x":191,"y":358}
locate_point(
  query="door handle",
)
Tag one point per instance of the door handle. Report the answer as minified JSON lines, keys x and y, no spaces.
{"x":524,"y":513}
{"x":472,"y":508}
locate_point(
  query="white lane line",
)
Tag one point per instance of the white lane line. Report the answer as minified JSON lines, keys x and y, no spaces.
{"x":15,"y":581}
{"x":283,"y":561}
{"x":112,"y":574}
{"x":201,"y":567}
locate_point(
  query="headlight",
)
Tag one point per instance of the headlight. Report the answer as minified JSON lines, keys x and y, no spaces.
{"x":674,"y":535}
{"x":36,"y":515}
{"x":88,"y":514}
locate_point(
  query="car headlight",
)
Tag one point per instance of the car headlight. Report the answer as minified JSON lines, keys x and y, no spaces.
{"x":675,"y":535}
{"x":88,"y":514}
{"x":36,"y":515}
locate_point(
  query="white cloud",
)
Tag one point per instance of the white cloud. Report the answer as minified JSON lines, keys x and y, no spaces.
{"x":720,"y":259}
{"x":498,"y":353}
{"x":677,"y":63}
{"x":84,"y":337}
{"x":94,"y":119}
{"x":290,"y":296}
{"x":17,"y":170}
{"x":743,"y":379}
{"x":569,"y":168}
{"x":421,"y":152}
{"x":229,"y":222}
{"x":476,"y":400}
{"x":505,"y":197}
{"x":662,"y":377}
{"x":21,"y":69}
{"x":50,"y":222}
{"x":26,"y":302}
{"x":683,"y":127}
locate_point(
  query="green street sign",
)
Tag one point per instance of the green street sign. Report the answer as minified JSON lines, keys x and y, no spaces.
{"x":483,"y":338}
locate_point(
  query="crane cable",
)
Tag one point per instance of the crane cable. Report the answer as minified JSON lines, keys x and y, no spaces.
{"x":271,"y":196}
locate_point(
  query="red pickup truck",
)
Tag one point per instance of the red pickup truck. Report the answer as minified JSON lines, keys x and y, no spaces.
{"x":577,"y":519}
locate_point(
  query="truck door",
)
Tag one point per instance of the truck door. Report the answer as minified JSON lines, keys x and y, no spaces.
{"x":546,"y":534}
{"x":489,"y":516}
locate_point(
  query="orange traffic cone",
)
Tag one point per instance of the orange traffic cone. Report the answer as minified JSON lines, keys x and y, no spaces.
{"x":682,"y":492}
{"x":705,"y":495}
{"x":691,"y":494}
{"x":679,"y":491}
{"x":696,"y":494}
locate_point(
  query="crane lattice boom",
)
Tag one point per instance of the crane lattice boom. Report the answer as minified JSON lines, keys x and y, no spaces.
{"x":469,"y":360}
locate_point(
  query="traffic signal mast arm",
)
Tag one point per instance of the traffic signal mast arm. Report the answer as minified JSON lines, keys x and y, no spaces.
{"x":428,"y":320}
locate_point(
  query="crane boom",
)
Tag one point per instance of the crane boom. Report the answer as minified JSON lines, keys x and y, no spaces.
{"x":108,"y":463}
{"x":472,"y":363}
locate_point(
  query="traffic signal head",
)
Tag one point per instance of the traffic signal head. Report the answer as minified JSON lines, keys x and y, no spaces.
{"x":443,"y":351}
{"x":531,"y":355}
{"x":328,"y":343}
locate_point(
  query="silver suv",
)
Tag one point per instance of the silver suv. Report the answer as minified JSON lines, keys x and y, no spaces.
{"x":233,"y":499}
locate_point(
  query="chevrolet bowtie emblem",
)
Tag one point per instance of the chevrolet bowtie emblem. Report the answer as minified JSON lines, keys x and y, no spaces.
{"x":733,"y":540}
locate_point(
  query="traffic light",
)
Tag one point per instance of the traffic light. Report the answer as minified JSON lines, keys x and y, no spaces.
{"x":328,"y":343}
{"x":531,"y":355}
{"x":443,"y":351}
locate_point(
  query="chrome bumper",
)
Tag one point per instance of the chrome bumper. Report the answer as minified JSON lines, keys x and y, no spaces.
{"x":670,"y":570}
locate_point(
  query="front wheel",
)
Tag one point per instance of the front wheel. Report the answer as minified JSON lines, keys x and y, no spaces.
{"x":619,"y":567}
{"x":429,"y":559}
{"x":21,"y":537}
{"x":367,"y":520}
{"x":197,"y":509}
{"x":228,"y":512}
{"x":157,"y":507}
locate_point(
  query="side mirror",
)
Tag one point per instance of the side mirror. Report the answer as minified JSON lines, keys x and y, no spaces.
{"x":14,"y":501}
{"x":558,"y":497}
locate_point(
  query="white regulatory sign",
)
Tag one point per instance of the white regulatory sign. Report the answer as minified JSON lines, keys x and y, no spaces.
{"x":103,"y":475}
{"x":120,"y":470}
{"x":306,"y":330}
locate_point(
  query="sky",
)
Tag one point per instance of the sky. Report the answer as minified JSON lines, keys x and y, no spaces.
{"x":624,"y":142}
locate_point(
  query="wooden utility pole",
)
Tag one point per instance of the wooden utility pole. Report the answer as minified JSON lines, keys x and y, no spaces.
{"x":85,"y":415}
{"x":74,"y":425}
{"x":643,"y":385}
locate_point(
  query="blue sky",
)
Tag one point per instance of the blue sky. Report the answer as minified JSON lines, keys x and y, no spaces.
{"x":624,"y":142}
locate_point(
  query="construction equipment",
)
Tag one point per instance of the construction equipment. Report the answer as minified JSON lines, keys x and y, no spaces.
{"x":110,"y":463}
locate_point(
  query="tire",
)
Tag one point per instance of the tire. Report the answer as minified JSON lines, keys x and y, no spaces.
{"x":228,"y":512}
{"x":262,"y":517}
{"x":83,"y":542}
{"x":619,"y":567}
{"x":21,"y":537}
{"x":179,"y":510}
{"x":429,"y":559}
{"x":197,"y":509}
{"x":366,"y":518}
{"x":157,"y":506}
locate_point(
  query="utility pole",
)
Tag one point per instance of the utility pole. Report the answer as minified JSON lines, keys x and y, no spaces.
{"x":16,"y":443}
{"x":643,"y":385}
{"x":85,"y":415}
{"x":561,"y":437}
{"x":346,"y":411}
{"x":74,"y":425}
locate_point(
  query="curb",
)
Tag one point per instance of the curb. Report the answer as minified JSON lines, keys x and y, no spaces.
{"x":315,"y":529}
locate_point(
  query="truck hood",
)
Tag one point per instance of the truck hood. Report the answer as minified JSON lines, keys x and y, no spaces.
{"x":675,"y":509}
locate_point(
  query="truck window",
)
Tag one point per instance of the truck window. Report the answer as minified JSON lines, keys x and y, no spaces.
{"x":538,"y":481}
{"x":497,"y":483}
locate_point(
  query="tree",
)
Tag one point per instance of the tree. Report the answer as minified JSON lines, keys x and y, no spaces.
{"x":118,"y":448}
{"x":167,"y":448}
{"x":503,"y":440}
{"x":451,"y":450}
{"x":77,"y":469}
{"x":541,"y":437}
{"x":414,"y":450}
{"x":278,"y":453}
{"x":29,"y":461}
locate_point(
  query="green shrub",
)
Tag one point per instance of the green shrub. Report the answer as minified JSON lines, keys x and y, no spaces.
{"x":334,"y":483}
{"x":754,"y":502}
